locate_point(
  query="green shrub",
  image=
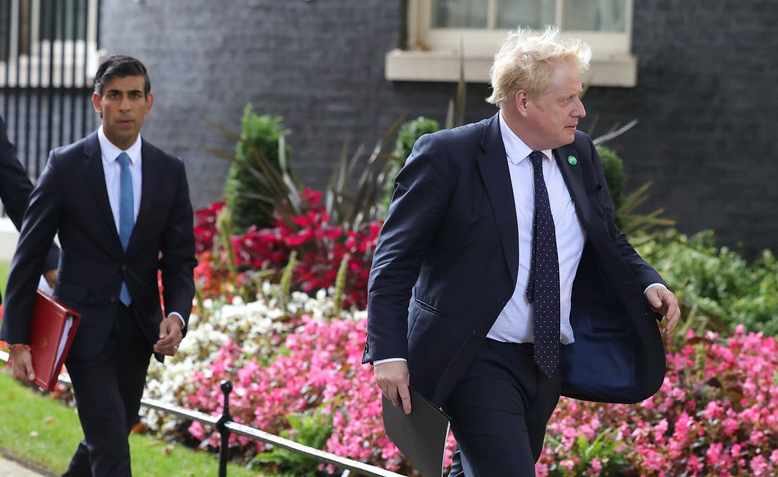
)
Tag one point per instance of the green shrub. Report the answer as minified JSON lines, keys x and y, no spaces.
{"x":717,"y":283}
{"x":628,"y":218}
{"x":249,"y":192}
{"x":408,"y":134}
{"x":613,"y":167}
{"x":603,"y":455}
{"x":310,"y":429}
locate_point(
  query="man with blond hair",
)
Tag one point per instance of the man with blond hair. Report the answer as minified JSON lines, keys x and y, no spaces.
{"x":500,"y":279}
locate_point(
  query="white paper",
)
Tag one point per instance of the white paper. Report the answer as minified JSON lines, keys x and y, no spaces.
{"x":43,"y":286}
{"x":64,"y":339}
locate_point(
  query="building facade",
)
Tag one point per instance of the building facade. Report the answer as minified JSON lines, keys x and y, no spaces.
{"x":699,"y":77}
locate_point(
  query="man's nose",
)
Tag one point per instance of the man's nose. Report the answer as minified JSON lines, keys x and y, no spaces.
{"x":580,"y":110}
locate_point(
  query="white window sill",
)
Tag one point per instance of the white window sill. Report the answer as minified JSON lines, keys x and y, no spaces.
{"x":401,"y":65}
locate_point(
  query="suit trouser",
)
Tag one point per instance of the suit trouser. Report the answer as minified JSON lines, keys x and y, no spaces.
{"x":499,"y":411}
{"x":108,"y":391}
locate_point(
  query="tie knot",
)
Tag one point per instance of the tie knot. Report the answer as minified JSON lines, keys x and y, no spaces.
{"x":123,"y":159}
{"x":537,"y":158}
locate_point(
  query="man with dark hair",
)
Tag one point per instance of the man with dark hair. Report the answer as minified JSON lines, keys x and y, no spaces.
{"x":122,"y":210}
{"x":15,"y":188}
{"x":120,"y":66}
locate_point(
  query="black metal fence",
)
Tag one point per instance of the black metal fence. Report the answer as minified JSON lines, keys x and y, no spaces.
{"x":226,"y":426}
{"x":48,"y":53}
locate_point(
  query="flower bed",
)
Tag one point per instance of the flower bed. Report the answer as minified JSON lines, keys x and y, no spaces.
{"x":716,"y":414}
{"x":320,"y":247}
{"x":295,"y":360}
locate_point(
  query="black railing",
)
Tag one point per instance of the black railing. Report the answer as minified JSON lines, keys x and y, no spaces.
{"x":48,"y":52}
{"x":226,"y":426}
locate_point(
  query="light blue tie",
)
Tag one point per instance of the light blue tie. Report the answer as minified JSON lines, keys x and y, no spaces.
{"x":126,"y":213}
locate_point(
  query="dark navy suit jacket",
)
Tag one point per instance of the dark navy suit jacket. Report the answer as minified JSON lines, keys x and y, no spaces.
{"x":15,"y":188}
{"x":446,"y":264}
{"x":71,"y":199}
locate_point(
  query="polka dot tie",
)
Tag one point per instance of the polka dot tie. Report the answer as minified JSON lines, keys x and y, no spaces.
{"x":543,"y":286}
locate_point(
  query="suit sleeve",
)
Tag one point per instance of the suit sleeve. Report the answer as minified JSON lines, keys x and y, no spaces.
{"x":420,"y":201}
{"x":178,"y":251}
{"x":40,"y":224}
{"x":15,"y":189}
{"x":644,"y":272}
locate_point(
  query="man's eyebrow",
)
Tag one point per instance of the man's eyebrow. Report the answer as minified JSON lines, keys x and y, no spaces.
{"x":115,"y":90}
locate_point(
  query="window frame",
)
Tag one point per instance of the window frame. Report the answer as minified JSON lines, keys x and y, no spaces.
{"x":446,"y":48}
{"x":36,"y":55}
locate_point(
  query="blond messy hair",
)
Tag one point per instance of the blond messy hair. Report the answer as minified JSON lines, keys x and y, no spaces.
{"x":526,"y":61}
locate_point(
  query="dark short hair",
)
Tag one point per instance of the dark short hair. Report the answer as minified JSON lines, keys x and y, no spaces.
{"x":120,"y":66}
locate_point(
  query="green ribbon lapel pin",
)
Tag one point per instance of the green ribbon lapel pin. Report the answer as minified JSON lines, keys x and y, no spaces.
{"x":572,"y":160}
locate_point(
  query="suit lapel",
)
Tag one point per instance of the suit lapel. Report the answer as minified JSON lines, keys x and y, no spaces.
{"x":493,"y":165}
{"x":573,"y":176}
{"x":95,"y":179}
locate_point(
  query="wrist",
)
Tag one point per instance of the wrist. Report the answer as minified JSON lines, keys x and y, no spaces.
{"x":178,"y":319}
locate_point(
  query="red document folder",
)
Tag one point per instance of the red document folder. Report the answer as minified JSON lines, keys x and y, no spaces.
{"x":52,"y":331}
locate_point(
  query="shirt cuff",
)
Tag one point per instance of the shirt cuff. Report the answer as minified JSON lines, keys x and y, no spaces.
{"x":654,"y":285}
{"x":177,"y":315}
{"x":388,"y":360}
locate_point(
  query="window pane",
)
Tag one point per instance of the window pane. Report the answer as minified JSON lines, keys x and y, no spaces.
{"x":534,"y":14}
{"x":595,"y":15}
{"x":459,"y":13}
{"x":59,"y":19}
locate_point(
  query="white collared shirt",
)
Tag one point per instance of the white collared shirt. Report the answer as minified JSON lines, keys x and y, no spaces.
{"x":514,"y":323}
{"x":112,"y":170}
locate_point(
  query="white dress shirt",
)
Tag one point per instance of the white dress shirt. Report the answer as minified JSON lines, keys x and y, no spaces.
{"x":112,"y":170}
{"x":514,"y":323}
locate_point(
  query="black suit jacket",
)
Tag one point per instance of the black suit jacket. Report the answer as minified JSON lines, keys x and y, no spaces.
{"x":71,"y":199}
{"x":15,"y":188}
{"x":446,"y":264}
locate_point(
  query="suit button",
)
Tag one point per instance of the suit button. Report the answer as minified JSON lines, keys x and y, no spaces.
{"x":124,"y":268}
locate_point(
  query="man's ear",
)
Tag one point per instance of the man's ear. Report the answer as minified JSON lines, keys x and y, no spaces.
{"x":97,"y":103}
{"x":149,"y":102}
{"x":520,"y":100}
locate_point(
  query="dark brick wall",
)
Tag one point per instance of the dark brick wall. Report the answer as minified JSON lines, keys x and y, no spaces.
{"x":705,"y":96}
{"x":708,"y":115}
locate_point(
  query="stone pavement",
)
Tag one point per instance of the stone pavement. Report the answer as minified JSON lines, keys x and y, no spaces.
{"x":9,"y":468}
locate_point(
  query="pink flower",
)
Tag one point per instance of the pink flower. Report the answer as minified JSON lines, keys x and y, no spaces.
{"x":759,"y":466}
{"x":713,"y":455}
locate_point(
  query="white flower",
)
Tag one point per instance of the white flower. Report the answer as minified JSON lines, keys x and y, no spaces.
{"x":245,"y":324}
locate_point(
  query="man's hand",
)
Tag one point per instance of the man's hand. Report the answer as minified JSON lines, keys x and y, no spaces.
{"x":170,"y":336}
{"x":664,"y":302}
{"x":21,"y":363}
{"x":51,"y":277}
{"x":393,"y":379}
